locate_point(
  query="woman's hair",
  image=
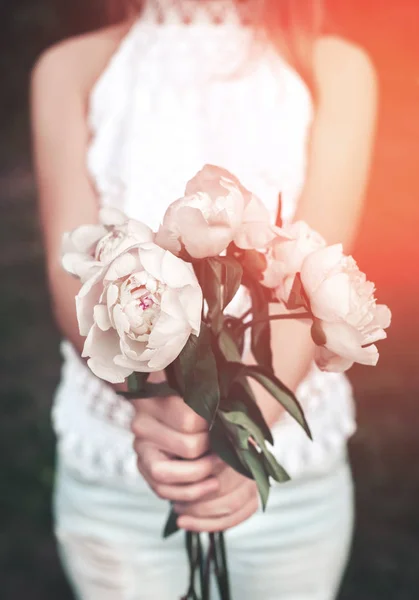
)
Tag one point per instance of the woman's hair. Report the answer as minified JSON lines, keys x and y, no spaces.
{"x":292,"y":26}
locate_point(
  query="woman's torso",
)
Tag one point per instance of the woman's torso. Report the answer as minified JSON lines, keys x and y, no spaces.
{"x":175,"y":97}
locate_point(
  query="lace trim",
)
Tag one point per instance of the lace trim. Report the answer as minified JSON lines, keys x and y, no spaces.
{"x":93,"y":424}
{"x":212,"y":12}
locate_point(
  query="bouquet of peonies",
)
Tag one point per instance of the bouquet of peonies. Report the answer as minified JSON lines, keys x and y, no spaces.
{"x":153,"y":301}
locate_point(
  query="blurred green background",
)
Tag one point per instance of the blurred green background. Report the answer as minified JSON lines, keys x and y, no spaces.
{"x":385,"y":451}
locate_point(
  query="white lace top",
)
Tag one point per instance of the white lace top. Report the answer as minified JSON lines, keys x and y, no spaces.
{"x":174,"y":97}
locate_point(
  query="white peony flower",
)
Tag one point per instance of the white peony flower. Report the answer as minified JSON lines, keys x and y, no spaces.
{"x":285,"y":256}
{"x":138,"y":312}
{"x":89,"y":247}
{"x":348,"y":320}
{"x":215,"y":211}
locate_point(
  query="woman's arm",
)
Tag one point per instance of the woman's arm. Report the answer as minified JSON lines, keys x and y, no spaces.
{"x":61,"y":81}
{"x":331,"y":202}
{"x":66,"y":197}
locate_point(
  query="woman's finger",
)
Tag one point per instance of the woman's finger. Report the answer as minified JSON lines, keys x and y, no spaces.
{"x":173,"y":412}
{"x":149,"y":457}
{"x":191,"y":492}
{"x":185,"y":445}
{"x":222,"y":523}
{"x":220,"y":506}
{"x":170,"y":471}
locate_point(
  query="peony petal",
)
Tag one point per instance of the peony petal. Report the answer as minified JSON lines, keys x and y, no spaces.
{"x":191,"y":300}
{"x":318,"y":264}
{"x":200,"y":239}
{"x":80,"y":265}
{"x":140,"y":231}
{"x":151,"y":257}
{"x":168,"y":353}
{"x":165,"y":329}
{"x":108,"y":372}
{"x":177,"y":273}
{"x":132,"y":349}
{"x":87,"y":236}
{"x":382,"y":316}
{"x":332,"y":299}
{"x":102,"y":347}
{"x":110,"y":216}
{"x":168,"y":239}
{"x":101,"y":317}
{"x":346,"y":341}
{"x":120,"y":320}
{"x":208,"y":178}
{"x":328,"y":361}
{"x":112,"y":294}
{"x":255,"y":211}
{"x":122,"y":266}
{"x":137,"y":366}
{"x":254,"y":236}
{"x":171,"y":306}
{"x":86,"y":300}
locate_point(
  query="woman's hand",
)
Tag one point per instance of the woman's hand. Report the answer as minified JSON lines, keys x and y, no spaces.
{"x":235,"y":501}
{"x":166,"y":430}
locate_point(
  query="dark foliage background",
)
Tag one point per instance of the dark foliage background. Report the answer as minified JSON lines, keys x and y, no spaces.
{"x":385,"y":451}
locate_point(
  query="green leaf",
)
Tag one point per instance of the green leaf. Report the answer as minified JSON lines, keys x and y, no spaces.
{"x":254,"y":461}
{"x":297,"y":298}
{"x":272,"y":466}
{"x":200,"y":375}
{"x":244,"y":421}
{"x":317,"y":333}
{"x":274,"y":469}
{"x":241,"y":398}
{"x":234,"y":326}
{"x":228,"y":346}
{"x":150,"y":390}
{"x":136,"y":382}
{"x":171,"y":525}
{"x":222,"y":445}
{"x":174,"y":378}
{"x":261,"y":331}
{"x":278,"y":390}
{"x":254,"y":263}
{"x":209,"y":274}
{"x":231,"y":278}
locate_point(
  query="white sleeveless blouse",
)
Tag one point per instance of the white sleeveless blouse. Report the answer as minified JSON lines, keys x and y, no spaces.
{"x":173,"y":98}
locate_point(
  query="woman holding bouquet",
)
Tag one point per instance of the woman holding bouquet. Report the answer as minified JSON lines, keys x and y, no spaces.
{"x":123,"y":117}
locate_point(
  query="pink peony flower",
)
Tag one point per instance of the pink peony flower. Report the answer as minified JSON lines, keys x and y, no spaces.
{"x":348,"y":320}
{"x":90,"y":247}
{"x":285,"y":256}
{"x":138,"y":312}
{"x":215,"y":211}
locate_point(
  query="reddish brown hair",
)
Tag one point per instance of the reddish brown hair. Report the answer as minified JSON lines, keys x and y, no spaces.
{"x":292,"y":25}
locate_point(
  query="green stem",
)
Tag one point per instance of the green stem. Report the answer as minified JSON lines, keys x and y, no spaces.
{"x":201,"y":564}
{"x":207,"y":571}
{"x":283,"y":317}
{"x":192,"y":547}
{"x":246,"y":314}
{"x":221,"y":568}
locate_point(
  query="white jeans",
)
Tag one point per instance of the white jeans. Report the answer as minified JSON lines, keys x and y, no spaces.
{"x":110,"y":540}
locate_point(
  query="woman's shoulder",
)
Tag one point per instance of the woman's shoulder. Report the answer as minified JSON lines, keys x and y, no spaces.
{"x":341,"y":64}
{"x":79,"y":61}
